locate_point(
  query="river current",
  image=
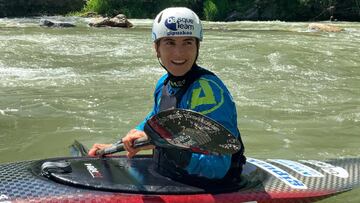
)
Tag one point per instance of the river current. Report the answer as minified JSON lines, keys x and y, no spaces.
{"x":297,"y":92}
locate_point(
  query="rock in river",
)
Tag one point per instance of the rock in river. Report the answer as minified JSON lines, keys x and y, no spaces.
{"x":49,"y":23}
{"x":117,"y":21}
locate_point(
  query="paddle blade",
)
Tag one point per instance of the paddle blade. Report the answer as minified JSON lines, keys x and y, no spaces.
{"x":190,"y":130}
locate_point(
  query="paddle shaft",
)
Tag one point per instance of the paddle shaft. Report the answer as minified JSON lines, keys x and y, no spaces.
{"x":119,"y":146}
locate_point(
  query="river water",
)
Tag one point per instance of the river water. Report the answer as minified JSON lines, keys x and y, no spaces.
{"x":297,"y":92}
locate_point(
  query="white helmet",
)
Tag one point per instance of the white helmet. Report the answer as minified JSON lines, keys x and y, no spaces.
{"x":177,"y":22}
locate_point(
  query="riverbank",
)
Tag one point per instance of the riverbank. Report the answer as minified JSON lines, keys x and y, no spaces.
{"x":209,"y":26}
{"x":28,"y":8}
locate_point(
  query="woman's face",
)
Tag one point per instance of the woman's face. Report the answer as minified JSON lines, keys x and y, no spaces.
{"x":177,"y":54}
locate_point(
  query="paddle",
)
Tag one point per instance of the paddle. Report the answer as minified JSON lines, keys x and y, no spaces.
{"x":119,"y":146}
{"x":184,"y":129}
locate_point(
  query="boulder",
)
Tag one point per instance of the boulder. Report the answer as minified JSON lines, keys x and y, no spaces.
{"x":49,"y":23}
{"x":117,"y":21}
{"x":324,"y":27}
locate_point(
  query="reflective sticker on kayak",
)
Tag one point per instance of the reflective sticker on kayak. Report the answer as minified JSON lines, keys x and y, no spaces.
{"x":328,"y":168}
{"x":278,"y":173}
{"x":93,"y":170}
{"x":298,"y":168}
{"x":3,"y":198}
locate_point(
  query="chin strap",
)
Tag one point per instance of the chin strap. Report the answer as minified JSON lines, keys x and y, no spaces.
{"x":162,"y":65}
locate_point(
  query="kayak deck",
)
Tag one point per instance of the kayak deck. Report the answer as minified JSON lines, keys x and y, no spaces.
{"x":263,"y":181}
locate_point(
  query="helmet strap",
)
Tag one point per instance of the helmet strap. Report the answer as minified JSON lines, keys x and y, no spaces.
{"x":163,"y":65}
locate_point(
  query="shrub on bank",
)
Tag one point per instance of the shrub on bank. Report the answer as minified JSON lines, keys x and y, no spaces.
{"x":213,"y":10}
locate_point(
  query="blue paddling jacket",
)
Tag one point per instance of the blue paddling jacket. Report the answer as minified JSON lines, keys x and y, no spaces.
{"x":204,"y":93}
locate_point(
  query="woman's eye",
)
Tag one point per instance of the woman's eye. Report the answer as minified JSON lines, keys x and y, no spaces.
{"x":170,"y":43}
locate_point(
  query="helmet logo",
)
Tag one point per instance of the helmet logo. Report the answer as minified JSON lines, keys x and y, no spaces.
{"x":179,"y":26}
{"x":171,"y":23}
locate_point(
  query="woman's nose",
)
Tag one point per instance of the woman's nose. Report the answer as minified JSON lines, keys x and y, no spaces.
{"x":179,"y":50}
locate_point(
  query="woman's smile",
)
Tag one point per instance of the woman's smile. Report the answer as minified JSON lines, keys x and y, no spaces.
{"x":178,"y":62}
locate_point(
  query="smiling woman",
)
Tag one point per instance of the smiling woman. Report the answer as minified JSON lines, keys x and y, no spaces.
{"x":187,"y":86}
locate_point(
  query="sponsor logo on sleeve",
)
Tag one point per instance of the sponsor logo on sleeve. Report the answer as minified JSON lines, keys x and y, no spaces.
{"x":298,"y":167}
{"x":279,"y":173}
{"x":328,"y":168}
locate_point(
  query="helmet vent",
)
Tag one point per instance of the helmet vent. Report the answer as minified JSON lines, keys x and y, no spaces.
{"x":159,"y":20}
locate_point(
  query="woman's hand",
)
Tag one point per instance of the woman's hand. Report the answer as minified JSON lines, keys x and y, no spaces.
{"x":129,"y":139}
{"x":96,"y":147}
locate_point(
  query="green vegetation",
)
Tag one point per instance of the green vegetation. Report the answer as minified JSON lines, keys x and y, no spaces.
{"x":216,"y":10}
{"x":22,"y":8}
{"x":99,"y":6}
{"x":134,"y":9}
{"x":213,"y":10}
{"x":220,"y":10}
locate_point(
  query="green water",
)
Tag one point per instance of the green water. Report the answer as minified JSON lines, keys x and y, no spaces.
{"x":297,"y":92}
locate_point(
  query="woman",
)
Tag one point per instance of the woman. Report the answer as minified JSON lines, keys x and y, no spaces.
{"x":177,"y":33}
